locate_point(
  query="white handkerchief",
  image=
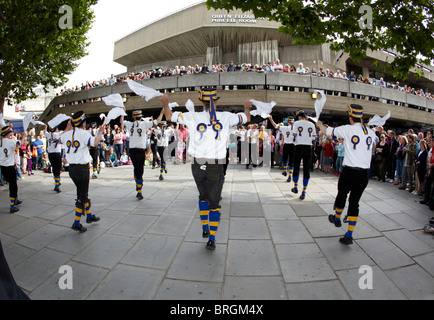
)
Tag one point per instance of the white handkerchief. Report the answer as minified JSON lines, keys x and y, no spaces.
{"x":114,"y":100}
{"x":53,"y":123}
{"x":113,"y":114}
{"x":263,"y":109}
{"x":143,"y":91}
{"x":379,"y":121}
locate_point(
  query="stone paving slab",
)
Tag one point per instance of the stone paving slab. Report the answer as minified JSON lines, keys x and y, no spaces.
{"x":270,"y":244}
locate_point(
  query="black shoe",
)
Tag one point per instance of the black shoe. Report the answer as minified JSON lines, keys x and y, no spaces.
{"x":79,"y":228}
{"x":302,"y":196}
{"x":289,"y":179}
{"x":284,"y":173}
{"x":346,"y":240}
{"x":93,"y":219}
{"x":139,"y":196}
{"x":210,"y":245}
{"x":14,"y":209}
{"x":332,"y":219}
{"x":17,"y":202}
{"x":402,"y":188}
{"x":294,"y":190}
{"x":161,"y":178}
{"x":423,"y":201}
{"x":57,"y":190}
{"x":346,"y":219}
{"x":205,"y":234}
{"x":94,"y":176}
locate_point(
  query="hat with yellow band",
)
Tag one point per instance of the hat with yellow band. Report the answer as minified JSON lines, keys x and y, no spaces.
{"x":356,"y":111}
{"x":6,"y":130}
{"x":137,"y":114}
{"x":78,"y":118}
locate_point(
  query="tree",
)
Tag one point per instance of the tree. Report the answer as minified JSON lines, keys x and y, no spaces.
{"x":40,"y":40}
{"x":406,"y":27}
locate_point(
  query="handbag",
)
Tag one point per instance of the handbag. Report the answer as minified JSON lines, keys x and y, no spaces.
{"x":35,"y":152}
{"x":232,"y":145}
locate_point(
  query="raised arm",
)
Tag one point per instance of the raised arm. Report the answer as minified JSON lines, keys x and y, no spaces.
{"x":247,"y":106}
{"x":272,"y":121}
{"x":167,"y":112}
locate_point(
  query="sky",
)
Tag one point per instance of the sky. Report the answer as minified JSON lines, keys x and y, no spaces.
{"x":114,"y":19}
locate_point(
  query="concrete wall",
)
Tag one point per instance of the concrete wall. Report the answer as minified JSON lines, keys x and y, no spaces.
{"x":69,"y":103}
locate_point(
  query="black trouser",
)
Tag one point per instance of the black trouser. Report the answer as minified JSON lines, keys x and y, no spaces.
{"x":56,"y":162}
{"x":154,"y":154}
{"x":288,"y":154}
{"x":160,"y":151}
{"x":79,"y":174}
{"x":94,"y":154}
{"x":209,"y":181}
{"x":10,"y":174}
{"x":354,"y":182}
{"x":138,"y":157}
{"x":302,"y":152}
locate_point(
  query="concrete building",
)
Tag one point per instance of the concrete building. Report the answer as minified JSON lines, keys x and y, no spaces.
{"x":196,"y":35}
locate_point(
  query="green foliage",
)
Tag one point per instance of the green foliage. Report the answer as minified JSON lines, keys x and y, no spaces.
{"x":406,"y":27}
{"x":36,"y":49}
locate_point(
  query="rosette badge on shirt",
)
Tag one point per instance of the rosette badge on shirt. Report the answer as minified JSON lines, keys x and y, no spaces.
{"x":209,"y":96}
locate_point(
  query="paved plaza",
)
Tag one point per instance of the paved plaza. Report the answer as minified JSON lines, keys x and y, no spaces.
{"x":270,"y":244}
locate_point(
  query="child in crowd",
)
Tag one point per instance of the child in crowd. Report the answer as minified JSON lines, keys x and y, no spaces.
{"x":328,"y":154}
{"x":124,"y":159}
{"x":340,"y":158}
{"x":28,"y":155}
{"x":180,"y":151}
{"x":45,"y":161}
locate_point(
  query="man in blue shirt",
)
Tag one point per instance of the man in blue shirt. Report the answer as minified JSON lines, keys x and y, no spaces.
{"x":39,"y":145}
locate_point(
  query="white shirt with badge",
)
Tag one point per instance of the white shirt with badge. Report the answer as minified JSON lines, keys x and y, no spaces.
{"x":304,"y":132}
{"x":137,"y":131}
{"x":286,"y":134}
{"x":206,"y":141}
{"x":358,"y":146}
{"x":7,"y":153}
{"x":77,"y":143}
{"x":53,"y":142}
{"x":163,"y":136}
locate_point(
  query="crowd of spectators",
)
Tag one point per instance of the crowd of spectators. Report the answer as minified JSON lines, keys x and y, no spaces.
{"x":276,"y":66}
{"x":405,"y":159}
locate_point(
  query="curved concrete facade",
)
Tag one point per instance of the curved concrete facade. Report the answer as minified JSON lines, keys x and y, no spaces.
{"x":287,"y":101}
{"x":195,"y":35}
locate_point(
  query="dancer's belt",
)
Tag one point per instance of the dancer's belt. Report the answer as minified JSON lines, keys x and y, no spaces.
{"x":209,"y":161}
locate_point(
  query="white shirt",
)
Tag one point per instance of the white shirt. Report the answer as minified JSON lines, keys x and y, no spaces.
{"x":358,"y":146}
{"x":77,"y":143}
{"x":304,"y":132}
{"x":137,"y":130}
{"x":162,"y":138}
{"x":203,"y":142}
{"x":7,"y":153}
{"x":286,"y":134}
{"x":53,"y":143}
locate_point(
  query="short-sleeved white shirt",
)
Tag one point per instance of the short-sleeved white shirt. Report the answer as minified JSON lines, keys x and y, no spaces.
{"x":7,"y":152}
{"x":77,"y":143}
{"x":358,"y":145}
{"x":137,"y":131}
{"x":304,"y":132}
{"x":205,"y":141}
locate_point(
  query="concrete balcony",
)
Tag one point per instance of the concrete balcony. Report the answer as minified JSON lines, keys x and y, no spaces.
{"x":289,"y":91}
